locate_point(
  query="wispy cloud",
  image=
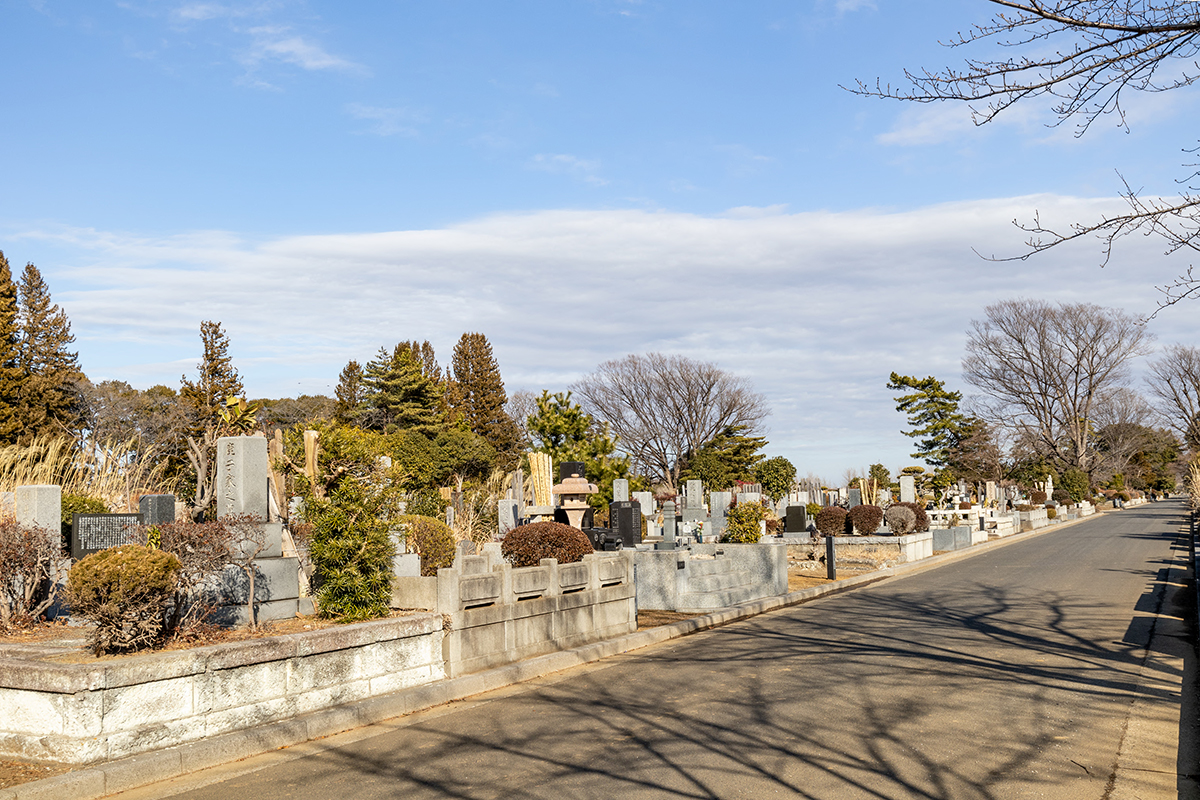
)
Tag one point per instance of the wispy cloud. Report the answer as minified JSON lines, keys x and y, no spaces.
{"x":847,"y":6}
{"x":564,"y":163}
{"x":388,"y":121}
{"x":815,"y":308}
{"x":280,"y":44}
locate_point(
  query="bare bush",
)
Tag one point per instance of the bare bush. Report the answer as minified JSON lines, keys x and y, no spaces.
{"x":31,"y":570}
{"x":204,"y":549}
{"x":900,"y":520}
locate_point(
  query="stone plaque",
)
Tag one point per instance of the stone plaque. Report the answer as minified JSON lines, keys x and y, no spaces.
{"x":242,"y":471}
{"x":91,"y":533}
{"x":157,"y":509}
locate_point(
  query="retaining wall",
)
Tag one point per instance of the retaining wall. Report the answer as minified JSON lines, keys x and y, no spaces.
{"x":881,"y":551}
{"x":703,"y":577}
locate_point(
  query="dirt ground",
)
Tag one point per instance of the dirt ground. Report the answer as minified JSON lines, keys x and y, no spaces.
{"x":807,"y":578}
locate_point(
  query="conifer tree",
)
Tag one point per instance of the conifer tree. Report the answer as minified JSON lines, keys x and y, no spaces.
{"x":477,"y":393}
{"x":204,"y":398}
{"x":349,"y":394}
{"x":933,"y":413}
{"x":49,"y":397}
{"x":10,"y":368}
{"x":399,"y":395}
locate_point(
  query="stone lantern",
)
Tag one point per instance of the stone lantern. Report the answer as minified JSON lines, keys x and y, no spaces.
{"x":573,"y":492}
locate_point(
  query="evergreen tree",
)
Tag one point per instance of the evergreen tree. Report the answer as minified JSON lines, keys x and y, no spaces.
{"x":933,"y":413}
{"x":217,"y":379}
{"x":349,"y":394}
{"x":777,"y":475}
{"x":10,"y":367}
{"x":477,"y":394}
{"x":398,"y":395}
{"x":49,"y":400}
{"x":728,"y":457}
{"x":561,"y":428}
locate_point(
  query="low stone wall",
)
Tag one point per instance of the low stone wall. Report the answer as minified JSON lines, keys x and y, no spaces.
{"x":877,"y":551}
{"x":497,"y":614}
{"x":83,"y":713}
{"x":1033,"y":520}
{"x":704,"y":577}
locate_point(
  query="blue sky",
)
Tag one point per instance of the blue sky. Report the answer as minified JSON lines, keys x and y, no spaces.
{"x":577,"y":180}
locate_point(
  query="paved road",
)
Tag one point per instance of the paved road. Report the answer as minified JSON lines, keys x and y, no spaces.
{"x":1021,"y":672}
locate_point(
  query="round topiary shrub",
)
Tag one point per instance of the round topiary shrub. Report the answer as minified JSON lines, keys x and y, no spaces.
{"x":964,"y":506}
{"x":1051,"y":512}
{"x":1063,"y":497}
{"x":922,"y":523}
{"x":527,"y":545}
{"x":431,"y":539}
{"x":1024,"y":507}
{"x":832,"y":521}
{"x":1037,"y":498}
{"x":741,"y":523}
{"x":900,"y":519}
{"x":126,"y":591}
{"x":813,"y":509}
{"x":866,"y":519}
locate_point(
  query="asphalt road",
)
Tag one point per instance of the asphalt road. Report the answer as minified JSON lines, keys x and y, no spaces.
{"x":1026,"y":671}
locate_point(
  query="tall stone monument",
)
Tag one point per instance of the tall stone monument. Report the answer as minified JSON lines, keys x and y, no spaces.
{"x":620,"y":490}
{"x":693,"y":502}
{"x":908,"y":489}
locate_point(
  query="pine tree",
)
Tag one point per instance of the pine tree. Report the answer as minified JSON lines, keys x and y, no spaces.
{"x":563,"y":429}
{"x":399,"y":395}
{"x":349,"y":394}
{"x":49,"y":397}
{"x":217,"y":379}
{"x":477,"y":393}
{"x":10,"y":367}
{"x":933,"y":413}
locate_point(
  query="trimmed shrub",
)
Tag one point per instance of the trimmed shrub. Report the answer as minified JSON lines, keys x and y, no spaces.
{"x":1076,"y":483}
{"x":432,"y":539}
{"x":832,"y":521}
{"x":31,"y":567}
{"x":1024,"y":507}
{"x":1051,"y":512}
{"x":1063,"y":497}
{"x":204,"y":549}
{"x":922,"y":523}
{"x":964,"y":506}
{"x":527,"y":545}
{"x":813,"y":509}
{"x":741,"y":523}
{"x":1037,"y":498}
{"x":866,"y":519}
{"x":901,"y":519}
{"x":126,"y":591}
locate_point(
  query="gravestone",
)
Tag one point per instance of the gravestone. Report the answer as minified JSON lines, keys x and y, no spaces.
{"x":242,"y":469}
{"x":693,"y":502}
{"x":625,"y":520}
{"x":720,"y":507}
{"x":855,"y":497}
{"x":518,"y":491}
{"x":802,"y":499}
{"x":91,"y":533}
{"x":796,"y":520}
{"x":749,"y":497}
{"x":668,"y":534}
{"x":990,"y":491}
{"x":621,"y":490}
{"x":646,"y":500}
{"x":908,"y":489}
{"x":507,"y":515}
{"x":157,"y":509}
{"x":449,"y":516}
{"x":39,"y":506}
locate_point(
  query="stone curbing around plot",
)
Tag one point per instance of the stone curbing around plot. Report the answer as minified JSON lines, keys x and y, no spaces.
{"x":94,"y":782}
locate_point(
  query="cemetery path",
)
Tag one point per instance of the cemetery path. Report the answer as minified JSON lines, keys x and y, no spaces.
{"x":1050,"y":668}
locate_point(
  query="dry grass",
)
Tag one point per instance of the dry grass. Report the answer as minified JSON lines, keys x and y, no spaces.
{"x":113,"y":472}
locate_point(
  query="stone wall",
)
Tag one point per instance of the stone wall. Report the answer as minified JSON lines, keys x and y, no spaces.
{"x":82,"y":713}
{"x":875,"y":551}
{"x":704,"y":577}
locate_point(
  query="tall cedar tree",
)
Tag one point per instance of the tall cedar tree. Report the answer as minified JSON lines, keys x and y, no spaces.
{"x":10,"y":367}
{"x":217,"y":379}
{"x":933,"y":413}
{"x":477,"y":394}
{"x":398,"y":393}
{"x":349,"y":394}
{"x":49,"y":398}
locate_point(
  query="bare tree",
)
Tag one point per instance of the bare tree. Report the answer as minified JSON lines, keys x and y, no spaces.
{"x":1175,"y":383}
{"x":1044,"y":370}
{"x":663,"y":408}
{"x":1105,"y":49}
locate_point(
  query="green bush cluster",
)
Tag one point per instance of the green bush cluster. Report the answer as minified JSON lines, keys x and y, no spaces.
{"x":832,"y":521}
{"x":865,"y":519}
{"x":1063,"y":497}
{"x":1077,"y":483}
{"x":431,"y":539}
{"x":813,"y":509}
{"x":126,"y":591}
{"x":741,"y":523}
{"x":527,"y":545}
{"x":1051,"y":512}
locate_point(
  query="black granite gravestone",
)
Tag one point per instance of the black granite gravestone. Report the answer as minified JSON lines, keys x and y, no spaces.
{"x":625,"y":519}
{"x":157,"y":509}
{"x":91,"y":533}
{"x":796,"y":520}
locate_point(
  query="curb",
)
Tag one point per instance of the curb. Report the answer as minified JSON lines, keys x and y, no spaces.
{"x":90,"y":783}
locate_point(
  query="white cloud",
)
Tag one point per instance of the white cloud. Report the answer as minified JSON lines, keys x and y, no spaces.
{"x":846,"y":6}
{"x":816,"y":308}
{"x":279,"y":44}
{"x":564,"y":163}
{"x":388,"y":121}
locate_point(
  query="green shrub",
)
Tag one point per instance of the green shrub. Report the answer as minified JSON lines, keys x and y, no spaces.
{"x":1076,"y":483}
{"x":527,"y":545}
{"x":351,"y":550}
{"x":865,"y":519}
{"x":813,"y":509}
{"x":901,"y":519}
{"x":832,"y":521}
{"x":741,"y":523}
{"x":1037,"y":498}
{"x":126,"y":591}
{"x":1051,"y":512}
{"x":430,"y":538}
